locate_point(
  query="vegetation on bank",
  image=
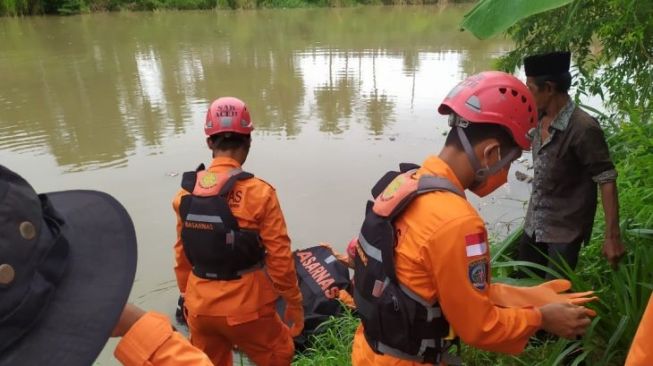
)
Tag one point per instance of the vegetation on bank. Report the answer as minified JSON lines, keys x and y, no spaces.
{"x":69,"y":7}
{"x":332,"y":345}
{"x":612,"y":41}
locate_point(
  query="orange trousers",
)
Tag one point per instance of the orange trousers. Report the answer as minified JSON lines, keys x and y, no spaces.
{"x":266,"y":341}
{"x":363,"y":355}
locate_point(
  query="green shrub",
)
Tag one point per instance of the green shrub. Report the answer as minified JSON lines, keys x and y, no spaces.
{"x":332,"y":347}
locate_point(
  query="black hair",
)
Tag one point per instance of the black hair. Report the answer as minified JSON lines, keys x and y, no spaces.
{"x":477,"y":132}
{"x":230,"y":141}
{"x":561,"y":82}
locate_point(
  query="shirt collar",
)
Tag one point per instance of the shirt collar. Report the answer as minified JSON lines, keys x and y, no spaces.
{"x":223,"y":161}
{"x":562,"y":119}
{"x":433,"y":165}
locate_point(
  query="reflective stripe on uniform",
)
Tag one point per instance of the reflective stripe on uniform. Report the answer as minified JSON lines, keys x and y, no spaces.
{"x":204,"y":218}
{"x":370,"y":250}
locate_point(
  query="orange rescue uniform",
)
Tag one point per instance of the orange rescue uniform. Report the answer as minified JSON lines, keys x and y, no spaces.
{"x":250,"y":299}
{"x":151,"y":341}
{"x":443,"y":255}
{"x":641,"y":352}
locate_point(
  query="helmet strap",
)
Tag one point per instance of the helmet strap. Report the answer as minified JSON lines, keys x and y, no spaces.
{"x":481,"y":174}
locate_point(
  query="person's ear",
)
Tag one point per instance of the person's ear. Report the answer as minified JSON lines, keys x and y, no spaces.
{"x":491,"y":153}
{"x":549,"y":87}
{"x":209,"y":143}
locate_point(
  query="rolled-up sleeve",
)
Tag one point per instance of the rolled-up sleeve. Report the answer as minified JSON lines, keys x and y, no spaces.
{"x":151,"y":341}
{"x":593,"y":153}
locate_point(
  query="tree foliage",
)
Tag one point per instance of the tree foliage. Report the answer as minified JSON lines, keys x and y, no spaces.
{"x":612,"y":45}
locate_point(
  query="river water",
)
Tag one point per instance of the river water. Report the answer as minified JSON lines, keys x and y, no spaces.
{"x":116,"y":102}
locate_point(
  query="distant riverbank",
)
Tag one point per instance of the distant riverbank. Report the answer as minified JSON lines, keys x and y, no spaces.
{"x":70,"y":7}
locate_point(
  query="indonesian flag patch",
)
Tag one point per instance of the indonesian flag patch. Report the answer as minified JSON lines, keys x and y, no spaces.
{"x":476,"y":245}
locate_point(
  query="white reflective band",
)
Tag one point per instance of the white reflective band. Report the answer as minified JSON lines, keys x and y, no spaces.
{"x":476,"y":249}
{"x":329,"y":259}
{"x":204,"y":218}
{"x":369,"y":249}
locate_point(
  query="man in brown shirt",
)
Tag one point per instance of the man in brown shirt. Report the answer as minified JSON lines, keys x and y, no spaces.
{"x":570,"y":158}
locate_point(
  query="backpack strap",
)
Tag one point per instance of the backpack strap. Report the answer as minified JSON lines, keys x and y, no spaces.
{"x":430,"y":183}
{"x":390,"y":176}
{"x":188,"y":178}
{"x":404,"y":167}
{"x":234,"y":176}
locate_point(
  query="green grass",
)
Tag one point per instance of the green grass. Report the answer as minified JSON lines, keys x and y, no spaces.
{"x":332,"y":347}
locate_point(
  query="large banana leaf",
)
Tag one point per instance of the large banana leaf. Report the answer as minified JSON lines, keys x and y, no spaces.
{"x":490,"y":17}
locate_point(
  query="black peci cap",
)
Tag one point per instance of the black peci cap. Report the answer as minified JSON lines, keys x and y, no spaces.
{"x":554,"y":63}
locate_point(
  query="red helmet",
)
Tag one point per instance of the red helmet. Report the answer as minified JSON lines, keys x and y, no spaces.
{"x":228,"y":114}
{"x":494,"y":97}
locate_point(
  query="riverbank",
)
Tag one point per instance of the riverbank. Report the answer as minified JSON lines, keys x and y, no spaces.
{"x":71,"y":7}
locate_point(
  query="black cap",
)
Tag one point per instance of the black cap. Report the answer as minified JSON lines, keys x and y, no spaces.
{"x":554,"y":63}
{"x":67,"y":264}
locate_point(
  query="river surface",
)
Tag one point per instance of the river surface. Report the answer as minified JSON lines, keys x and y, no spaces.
{"x":116,"y":102}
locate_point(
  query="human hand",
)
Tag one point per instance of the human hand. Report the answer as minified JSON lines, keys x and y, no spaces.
{"x":180,"y":312}
{"x":613,"y":250}
{"x":564,"y":320}
{"x":130,"y":315}
{"x":295,"y":315}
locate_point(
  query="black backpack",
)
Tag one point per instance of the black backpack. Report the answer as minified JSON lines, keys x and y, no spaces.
{"x":321,"y":277}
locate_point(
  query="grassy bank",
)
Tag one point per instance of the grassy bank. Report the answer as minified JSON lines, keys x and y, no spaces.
{"x":623,"y":293}
{"x":68,"y":7}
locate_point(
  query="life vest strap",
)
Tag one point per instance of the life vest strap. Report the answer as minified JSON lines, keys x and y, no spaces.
{"x":212,"y":275}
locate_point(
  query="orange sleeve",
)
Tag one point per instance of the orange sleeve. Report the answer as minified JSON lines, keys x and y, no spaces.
{"x":279,"y":259}
{"x":182,"y":265}
{"x":640,"y":353}
{"x":151,"y":341}
{"x":462,"y":278}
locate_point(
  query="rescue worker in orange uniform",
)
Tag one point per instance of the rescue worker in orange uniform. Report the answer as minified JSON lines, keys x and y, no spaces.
{"x":422,"y":267}
{"x":233,"y":257}
{"x":67,"y":265}
{"x":640,"y":353}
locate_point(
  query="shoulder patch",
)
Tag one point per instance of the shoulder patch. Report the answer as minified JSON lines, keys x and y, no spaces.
{"x":478,"y":274}
{"x":392,"y":188}
{"x":208,"y":180}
